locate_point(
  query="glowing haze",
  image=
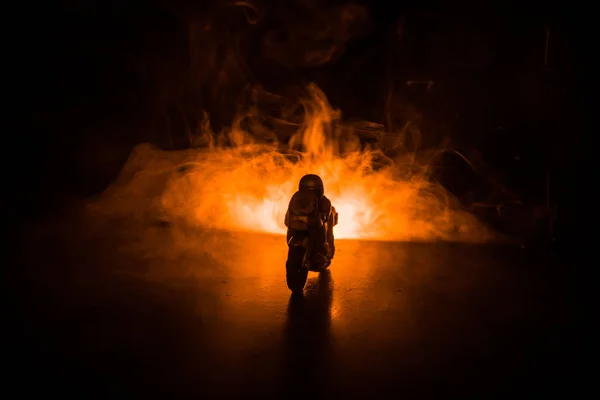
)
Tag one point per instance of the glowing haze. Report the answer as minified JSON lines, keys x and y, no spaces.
{"x":246,"y":186}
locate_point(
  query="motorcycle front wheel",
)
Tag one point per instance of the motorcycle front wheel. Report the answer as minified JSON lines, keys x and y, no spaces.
{"x":295,"y":273}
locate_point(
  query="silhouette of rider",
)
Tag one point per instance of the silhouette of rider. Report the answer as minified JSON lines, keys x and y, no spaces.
{"x":310,"y":210}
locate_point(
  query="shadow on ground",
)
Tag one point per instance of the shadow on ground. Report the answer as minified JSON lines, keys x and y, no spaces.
{"x":126,"y":309}
{"x":307,"y":336}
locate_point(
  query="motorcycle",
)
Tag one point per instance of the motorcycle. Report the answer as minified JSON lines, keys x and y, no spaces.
{"x":305,"y":255}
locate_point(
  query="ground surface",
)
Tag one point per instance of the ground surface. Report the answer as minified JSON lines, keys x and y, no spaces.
{"x":135,"y":309}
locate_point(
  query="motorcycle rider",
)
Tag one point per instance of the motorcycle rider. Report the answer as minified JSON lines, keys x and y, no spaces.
{"x":310,"y":210}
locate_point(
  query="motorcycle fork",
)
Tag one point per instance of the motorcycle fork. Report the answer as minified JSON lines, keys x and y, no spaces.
{"x":304,"y":243}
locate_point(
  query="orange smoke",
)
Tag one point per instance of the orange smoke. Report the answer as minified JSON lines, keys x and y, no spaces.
{"x":247,"y":186}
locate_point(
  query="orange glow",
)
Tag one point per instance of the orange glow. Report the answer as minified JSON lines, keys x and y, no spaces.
{"x":247,"y":187}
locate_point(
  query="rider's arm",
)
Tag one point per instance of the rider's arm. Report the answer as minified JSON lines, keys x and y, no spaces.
{"x":325,"y":208}
{"x":334,"y":216}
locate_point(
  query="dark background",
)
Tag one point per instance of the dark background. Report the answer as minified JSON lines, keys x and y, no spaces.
{"x":97,"y":78}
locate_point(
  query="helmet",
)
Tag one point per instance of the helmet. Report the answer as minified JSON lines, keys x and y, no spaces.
{"x":312,"y":182}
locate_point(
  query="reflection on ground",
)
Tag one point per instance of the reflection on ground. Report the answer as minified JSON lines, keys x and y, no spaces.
{"x":307,"y":335}
{"x":156,"y":309}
